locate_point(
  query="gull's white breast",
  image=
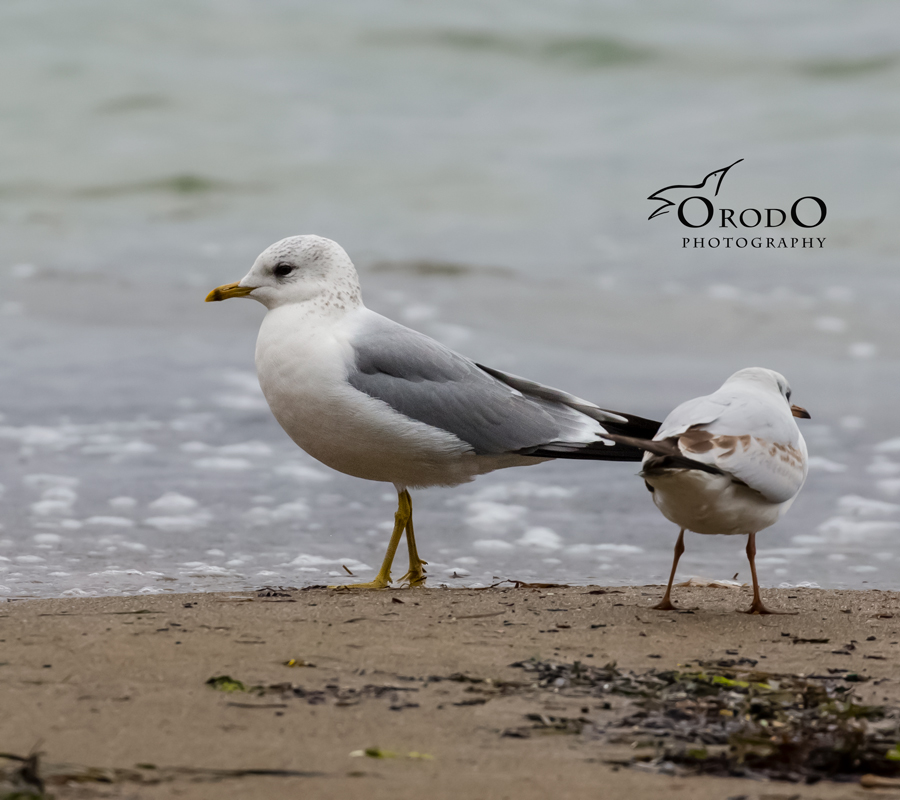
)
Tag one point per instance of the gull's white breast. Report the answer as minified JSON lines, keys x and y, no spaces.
{"x":705,"y":503}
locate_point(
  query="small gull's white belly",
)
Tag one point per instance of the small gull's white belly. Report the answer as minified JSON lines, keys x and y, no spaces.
{"x":705,"y":503}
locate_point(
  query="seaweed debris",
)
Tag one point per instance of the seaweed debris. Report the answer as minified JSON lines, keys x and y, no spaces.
{"x":342,"y":696}
{"x":377,"y":752}
{"x":23,"y":782}
{"x":726,"y":718}
{"x":225,"y":683}
{"x":544,"y":723}
{"x":29,"y":776}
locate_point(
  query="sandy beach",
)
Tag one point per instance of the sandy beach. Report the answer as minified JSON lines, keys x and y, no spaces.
{"x":437,"y":692}
{"x":496,"y":173}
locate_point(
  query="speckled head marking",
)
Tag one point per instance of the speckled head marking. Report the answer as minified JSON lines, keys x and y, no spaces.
{"x":304,"y":269}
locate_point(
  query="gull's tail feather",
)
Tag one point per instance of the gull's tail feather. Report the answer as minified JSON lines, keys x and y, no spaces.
{"x":666,"y":455}
{"x":618,"y":446}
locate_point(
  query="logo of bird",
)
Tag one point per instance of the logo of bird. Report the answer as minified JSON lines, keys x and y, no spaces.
{"x":716,"y":176}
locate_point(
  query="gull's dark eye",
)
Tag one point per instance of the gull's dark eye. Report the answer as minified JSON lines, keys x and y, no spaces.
{"x":282,"y":270}
{"x":788,"y":395}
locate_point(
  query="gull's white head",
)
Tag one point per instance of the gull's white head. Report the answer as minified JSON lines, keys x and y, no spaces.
{"x":298,"y":269}
{"x":767,"y":380}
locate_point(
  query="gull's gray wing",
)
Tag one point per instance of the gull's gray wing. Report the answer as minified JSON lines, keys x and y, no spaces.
{"x":490,"y":411}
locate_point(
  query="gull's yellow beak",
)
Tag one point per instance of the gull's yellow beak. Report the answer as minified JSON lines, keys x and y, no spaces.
{"x":795,"y":410}
{"x":228,"y":290}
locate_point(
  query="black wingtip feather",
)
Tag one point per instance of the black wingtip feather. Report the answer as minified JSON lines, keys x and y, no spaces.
{"x":624,"y":434}
{"x":636,"y":427}
{"x":595,"y":451}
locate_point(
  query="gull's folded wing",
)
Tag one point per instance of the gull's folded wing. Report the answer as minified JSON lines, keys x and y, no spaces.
{"x":711,"y":433}
{"x":775,"y":469}
{"x":491,"y":412}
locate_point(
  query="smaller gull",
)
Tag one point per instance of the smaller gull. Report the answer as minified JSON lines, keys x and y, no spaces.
{"x":732,"y":462}
{"x":373,"y":399}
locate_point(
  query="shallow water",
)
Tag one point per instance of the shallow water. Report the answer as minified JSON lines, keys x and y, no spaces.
{"x":487,"y":171}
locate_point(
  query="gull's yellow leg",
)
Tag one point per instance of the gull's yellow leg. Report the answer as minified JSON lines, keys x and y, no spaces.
{"x":402,"y":518}
{"x":415,"y":576}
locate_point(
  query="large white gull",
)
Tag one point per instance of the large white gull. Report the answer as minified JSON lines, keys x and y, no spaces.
{"x":732,"y":462}
{"x":374,"y":399}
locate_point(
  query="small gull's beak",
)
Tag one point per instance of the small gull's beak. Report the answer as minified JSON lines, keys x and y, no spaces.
{"x":795,"y":410}
{"x":228,"y":290}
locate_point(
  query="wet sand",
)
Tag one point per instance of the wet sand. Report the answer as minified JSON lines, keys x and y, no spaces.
{"x":119,"y":684}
